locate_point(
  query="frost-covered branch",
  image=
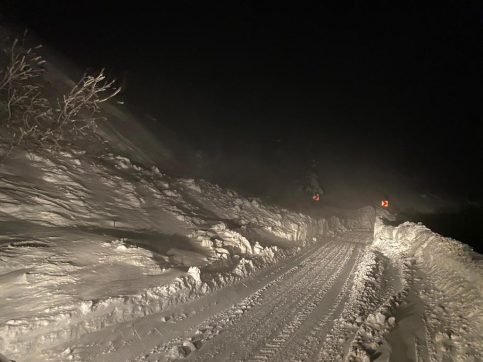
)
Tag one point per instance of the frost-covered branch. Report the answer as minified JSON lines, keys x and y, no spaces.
{"x":28,"y":117}
{"x":79,"y":109}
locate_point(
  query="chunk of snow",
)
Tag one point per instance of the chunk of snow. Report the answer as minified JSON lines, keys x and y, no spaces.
{"x":195,"y":272}
{"x":189,"y":345}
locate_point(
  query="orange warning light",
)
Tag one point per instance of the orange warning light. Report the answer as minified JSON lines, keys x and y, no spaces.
{"x":316,"y":197}
{"x":384,"y":203}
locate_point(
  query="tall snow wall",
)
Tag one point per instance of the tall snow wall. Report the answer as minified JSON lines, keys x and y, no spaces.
{"x":440,"y":254}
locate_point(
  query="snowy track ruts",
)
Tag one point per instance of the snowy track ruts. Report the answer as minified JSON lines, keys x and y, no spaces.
{"x":307,"y":342}
{"x":287,"y":318}
{"x":300,"y":313}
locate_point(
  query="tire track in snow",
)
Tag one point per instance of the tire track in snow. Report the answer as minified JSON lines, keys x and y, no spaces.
{"x":294,"y":299}
{"x":274,"y":309}
{"x":310,"y":340}
{"x":292,"y":335}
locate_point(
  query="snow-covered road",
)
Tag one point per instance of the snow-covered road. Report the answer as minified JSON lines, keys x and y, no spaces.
{"x":283,"y":314}
{"x":115,"y":262}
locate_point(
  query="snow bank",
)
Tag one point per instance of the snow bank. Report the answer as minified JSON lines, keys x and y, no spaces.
{"x":438,"y":253}
{"x":451,"y":287}
{"x":54,"y":324}
{"x":411,"y":272}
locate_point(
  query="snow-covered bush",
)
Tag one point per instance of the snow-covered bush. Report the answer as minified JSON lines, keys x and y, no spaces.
{"x":30,"y":117}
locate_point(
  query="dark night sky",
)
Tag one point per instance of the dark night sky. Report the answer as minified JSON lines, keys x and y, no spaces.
{"x":370,"y":91}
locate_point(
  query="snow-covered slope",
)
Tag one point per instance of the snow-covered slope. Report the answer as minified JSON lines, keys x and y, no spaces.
{"x":89,"y":241}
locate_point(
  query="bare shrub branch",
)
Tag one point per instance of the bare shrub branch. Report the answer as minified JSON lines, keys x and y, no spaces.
{"x":31,"y":119}
{"x":79,"y":110}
